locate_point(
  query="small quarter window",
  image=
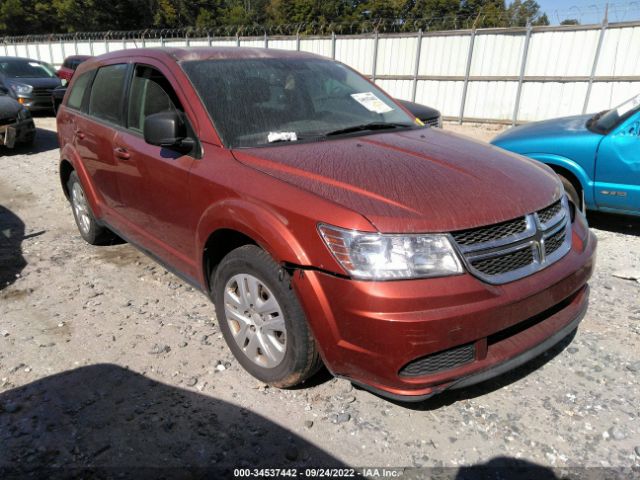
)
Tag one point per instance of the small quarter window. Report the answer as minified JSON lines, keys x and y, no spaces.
{"x":77,"y":90}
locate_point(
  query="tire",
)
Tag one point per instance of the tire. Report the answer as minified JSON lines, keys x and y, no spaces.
{"x":90,"y":230}
{"x":572,"y":193}
{"x":267,"y":332}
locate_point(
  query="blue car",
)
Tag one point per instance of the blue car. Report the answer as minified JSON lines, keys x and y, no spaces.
{"x":596,"y":156}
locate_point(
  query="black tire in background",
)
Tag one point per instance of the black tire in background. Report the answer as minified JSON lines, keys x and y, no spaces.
{"x":301,"y":359}
{"x":572,"y":193}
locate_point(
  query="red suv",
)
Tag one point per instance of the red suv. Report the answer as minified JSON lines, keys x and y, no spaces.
{"x":325,"y":222}
{"x":70,"y":65}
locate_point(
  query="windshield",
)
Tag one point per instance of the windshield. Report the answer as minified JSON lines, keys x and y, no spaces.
{"x":26,"y":69}
{"x":255,"y":102}
{"x":608,"y":120}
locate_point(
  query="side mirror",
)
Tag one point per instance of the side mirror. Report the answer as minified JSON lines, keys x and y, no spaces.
{"x":167,"y":129}
{"x":64,"y":82}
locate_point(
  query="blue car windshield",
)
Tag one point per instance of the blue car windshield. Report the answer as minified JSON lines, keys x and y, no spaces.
{"x":608,"y":120}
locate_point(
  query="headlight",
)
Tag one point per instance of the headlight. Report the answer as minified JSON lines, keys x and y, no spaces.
{"x":21,"y":88}
{"x":374,"y":256}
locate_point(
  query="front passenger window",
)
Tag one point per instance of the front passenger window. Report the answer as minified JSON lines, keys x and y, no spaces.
{"x":151,"y":93}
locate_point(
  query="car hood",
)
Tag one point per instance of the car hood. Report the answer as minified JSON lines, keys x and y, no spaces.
{"x":9,"y":107}
{"x":567,"y":127}
{"x":37,"y":82}
{"x":423,"y":180}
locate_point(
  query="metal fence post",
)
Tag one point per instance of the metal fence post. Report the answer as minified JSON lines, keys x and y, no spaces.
{"x":64,"y":52}
{"x":374,"y":64}
{"x":237,"y":40}
{"x":266,"y":40}
{"x":38,"y":51}
{"x":209,"y":40}
{"x":187,"y":40}
{"x":523,"y":67}
{"x":298,"y":41}
{"x":416,"y":69}
{"x":333,"y":45}
{"x":75,"y":43}
{"x":596,"y":59}
{"x":467,"y":73}
{"x":50,"y":51}
{"x":91,"y":46}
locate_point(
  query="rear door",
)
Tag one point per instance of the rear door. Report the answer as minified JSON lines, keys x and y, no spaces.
{"x":618,"y":168}
{"x":154,"y":181}
{"x":95,"y":130}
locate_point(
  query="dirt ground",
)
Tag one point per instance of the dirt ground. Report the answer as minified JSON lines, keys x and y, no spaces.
{"x":107,"y":360}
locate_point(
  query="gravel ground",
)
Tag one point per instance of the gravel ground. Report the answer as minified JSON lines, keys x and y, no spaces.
{"x":106,"y":360}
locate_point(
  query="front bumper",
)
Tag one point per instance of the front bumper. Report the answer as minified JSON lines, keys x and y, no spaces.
{"x":16,"y":133}
{"x":368,"y":331}
{"x":36,"y":104}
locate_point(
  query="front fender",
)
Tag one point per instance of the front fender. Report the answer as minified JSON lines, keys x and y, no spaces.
{"x":70,"y":154}
{"x":265,"y":226}
{"x":571,"y":166}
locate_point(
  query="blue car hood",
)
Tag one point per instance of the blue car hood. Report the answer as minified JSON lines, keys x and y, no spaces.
{"x":549,"y":136}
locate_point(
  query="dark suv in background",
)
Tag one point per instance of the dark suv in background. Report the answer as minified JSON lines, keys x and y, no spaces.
{"x":29,"y":81}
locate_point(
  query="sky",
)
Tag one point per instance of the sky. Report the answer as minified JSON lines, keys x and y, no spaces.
{"x":590,"y":11}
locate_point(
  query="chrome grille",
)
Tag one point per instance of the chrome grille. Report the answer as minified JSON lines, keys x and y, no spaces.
{"x":493,"y":232}
{"x":432,"y":122}
{"x":439,"y":362}
{"x":511,"y":250}
{"x":554,"y":242}
{"x":40,"y":92}
{"x":548,"y":213}
{"x":504,"y":263}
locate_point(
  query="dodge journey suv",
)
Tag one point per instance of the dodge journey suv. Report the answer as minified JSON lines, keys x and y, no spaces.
{"x":327,"y":224}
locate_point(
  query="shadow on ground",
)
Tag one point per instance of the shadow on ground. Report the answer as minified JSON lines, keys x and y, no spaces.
{"x":45,"y":141}
{"x":104,"y":421}
{"x":11,"y":235}
{"x":615,"y":223}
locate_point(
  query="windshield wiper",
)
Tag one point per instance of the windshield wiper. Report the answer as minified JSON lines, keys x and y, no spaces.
{"x":367,"y":126}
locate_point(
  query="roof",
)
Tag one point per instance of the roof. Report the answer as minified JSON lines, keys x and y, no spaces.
{"x":207,"y":53}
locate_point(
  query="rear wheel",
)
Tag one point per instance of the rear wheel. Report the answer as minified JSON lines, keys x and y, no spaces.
{"x":90,"y":230}
{"x":261,"y":318}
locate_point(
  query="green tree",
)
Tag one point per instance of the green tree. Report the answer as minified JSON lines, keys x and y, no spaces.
{"x":570,"y":21}
{"x":528,"y":11}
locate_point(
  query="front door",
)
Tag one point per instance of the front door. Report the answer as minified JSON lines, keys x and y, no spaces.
{"x":618,"y":168}
{"x":154,"y":181}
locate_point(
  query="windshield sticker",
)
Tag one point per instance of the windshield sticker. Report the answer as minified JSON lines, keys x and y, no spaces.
{"x":372,"y":103}
{"x":628,"y":106}
{"x":282,"y":137}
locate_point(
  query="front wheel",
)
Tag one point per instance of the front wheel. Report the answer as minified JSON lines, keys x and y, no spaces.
{"x":572,"y":193}
{"x":90,"y":230}
{"x":261,"y":318}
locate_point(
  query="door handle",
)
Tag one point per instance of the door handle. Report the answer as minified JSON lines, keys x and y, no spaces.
{"x":79,"y":133}
{"x":122,"y":153}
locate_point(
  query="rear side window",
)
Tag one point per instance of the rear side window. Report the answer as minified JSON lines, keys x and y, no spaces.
{"x":150,"y":93}
{"x":107,"y":91}
{"x":77,"y":90}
